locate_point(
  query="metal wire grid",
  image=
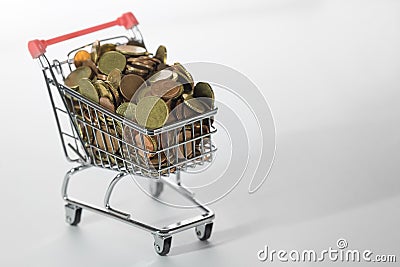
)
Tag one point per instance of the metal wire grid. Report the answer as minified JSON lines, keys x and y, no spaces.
{"x":109,"y":141}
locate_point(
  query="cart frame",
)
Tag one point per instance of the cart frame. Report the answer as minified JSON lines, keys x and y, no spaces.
{"x":78,"y":150}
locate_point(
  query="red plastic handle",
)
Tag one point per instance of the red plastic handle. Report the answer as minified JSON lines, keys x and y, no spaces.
{"x":38,"y":47}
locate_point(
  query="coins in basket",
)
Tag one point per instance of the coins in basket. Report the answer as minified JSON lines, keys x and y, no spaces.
{"x":130,"y":82}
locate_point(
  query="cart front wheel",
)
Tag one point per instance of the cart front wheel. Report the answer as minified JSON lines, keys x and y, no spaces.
{"x":73,"y":214}
{"x":162,"y":245}
{"x":203,"y":232}
{"x":156,"y":188}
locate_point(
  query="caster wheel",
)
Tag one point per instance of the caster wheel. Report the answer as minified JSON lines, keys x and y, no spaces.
{"x":203,"y":232}
{"x":162,"y":245}
{"x":72,"y":214}
{"x":156,"y":188}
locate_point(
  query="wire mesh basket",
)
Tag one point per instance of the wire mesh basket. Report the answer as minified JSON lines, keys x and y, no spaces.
{"x":113,"y":142}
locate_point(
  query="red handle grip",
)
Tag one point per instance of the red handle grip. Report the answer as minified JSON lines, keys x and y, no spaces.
{"x":38,"y":47}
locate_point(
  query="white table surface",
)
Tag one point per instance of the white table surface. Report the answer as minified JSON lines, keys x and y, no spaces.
{"x":330,"y":71}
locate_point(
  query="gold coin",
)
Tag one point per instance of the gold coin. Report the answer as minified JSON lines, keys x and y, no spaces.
{"x":180,"y":68}
{"x":167,"y":89}
{"x":156,"y":161}
{"x":107,"y":103}
{"x":187,"y":148}
{"x":101,"y":77}
{"x":122,"y":108}
{"x":195,"y":104}
{"x":127,"y":110}
{"x":80,"y":57}
{"x":129,"y":84}
{"x":99,"y":156}
{"x":185,"y":77}
{"x":133,"y":70}
{"x":131,"y":50}
{"x":167,"y":171}
{"x":91,"y":65}
{"x":156,"y":60}
{"x":130,"y":112}
{"x":103,"y":91}
{"x":76,"y":75}
{"x":205,"y":92}
{"x":153,"y":60}
{"x":149,"y":62}
{"x":141,"y":60}
{"x":151,"y":112}
{"x":140,"y":93}
{"x":111,"y":60}
{"x":104,"y":120}
{"x":106,"y":48}
{"x":199,"y":130}
{"x":142,"y":65}
{"x":88,"y":115}
{"x":85,"y":133}
{"x":94,"y":54}
{"x":114,"y":77}
{"x":144,"y":57}
{"x":132,"y":59}
{"x":114,"y":92}
{"x":147,"y":144}
{"x":161,"y":54}
{"x":107,"y":141}
{"x":87,"y":89}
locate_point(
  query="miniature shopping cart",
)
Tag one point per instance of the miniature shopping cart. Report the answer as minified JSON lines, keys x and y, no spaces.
{"x":77,"y":118}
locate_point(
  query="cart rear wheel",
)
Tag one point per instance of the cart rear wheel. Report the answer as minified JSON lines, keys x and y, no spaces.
{"x":156,"y":188}
{"x":162,"y":245}
{"x":203,"y":232}
{"x":73,"y":214}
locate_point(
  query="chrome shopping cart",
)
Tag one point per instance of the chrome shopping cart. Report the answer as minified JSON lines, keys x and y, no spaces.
{"x":78,"y":118}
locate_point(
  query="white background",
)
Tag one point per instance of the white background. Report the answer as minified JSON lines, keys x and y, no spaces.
{"x":330,"y":71}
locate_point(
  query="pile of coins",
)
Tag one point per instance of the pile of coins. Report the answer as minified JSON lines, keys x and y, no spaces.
{"x":128,"y":81}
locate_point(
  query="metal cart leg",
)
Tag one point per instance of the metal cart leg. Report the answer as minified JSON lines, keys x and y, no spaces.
{"x":162,"y":236}
{"x":73,"y":212}
{"x":156,"y":187}
{"x":107,"y":197}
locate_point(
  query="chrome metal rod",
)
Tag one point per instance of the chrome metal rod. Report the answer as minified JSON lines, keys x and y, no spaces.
{"x":109,"y":191}
{"x":178,"y":177}
{"x":110,"y":214}
{"x":67,"y":178}
{"x":111,"y":187}
{"x":127,"y":218}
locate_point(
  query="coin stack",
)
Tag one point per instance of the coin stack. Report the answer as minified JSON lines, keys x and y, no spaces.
{"x":144,"y":89}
